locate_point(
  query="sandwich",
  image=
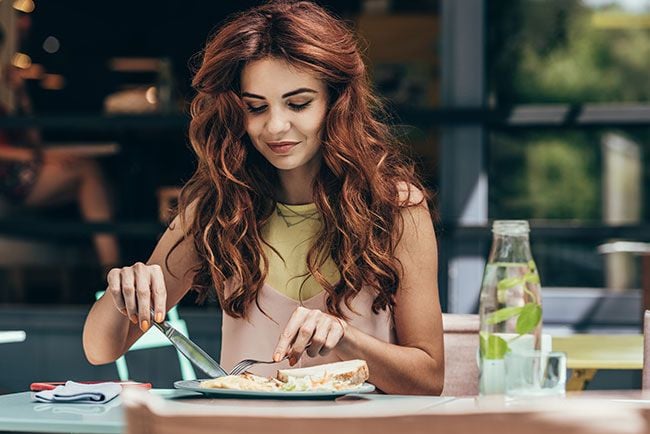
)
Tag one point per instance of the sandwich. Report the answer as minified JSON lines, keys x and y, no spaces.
{"x":331,"y":376}
{"x":346,"y":375}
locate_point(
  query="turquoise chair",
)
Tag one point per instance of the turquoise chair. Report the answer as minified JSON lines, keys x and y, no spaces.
{"x":154,"y":338}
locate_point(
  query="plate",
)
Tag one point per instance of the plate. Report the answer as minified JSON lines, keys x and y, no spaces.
{"x":194,"y":385}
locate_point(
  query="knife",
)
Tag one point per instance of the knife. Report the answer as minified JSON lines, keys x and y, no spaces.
{"x":190,"y":350}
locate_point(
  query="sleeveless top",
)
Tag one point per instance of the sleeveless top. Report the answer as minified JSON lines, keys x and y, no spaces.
{"x":290,"y":231}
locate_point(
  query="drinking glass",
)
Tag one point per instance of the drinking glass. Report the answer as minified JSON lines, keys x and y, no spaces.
{"x":535,"y":373}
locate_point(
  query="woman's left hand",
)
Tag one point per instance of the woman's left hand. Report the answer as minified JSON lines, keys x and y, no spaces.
{"x":311,"y":330}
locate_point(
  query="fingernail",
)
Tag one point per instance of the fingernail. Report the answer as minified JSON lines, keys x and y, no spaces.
{"x":292,"y":361}
{"x":159,"y":317}
{"x":276,"y":357}
{"x":145,"y":325}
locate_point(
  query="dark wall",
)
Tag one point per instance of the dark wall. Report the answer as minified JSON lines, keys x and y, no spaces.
{"x":90,"y":33}
{"x":53,"y":351}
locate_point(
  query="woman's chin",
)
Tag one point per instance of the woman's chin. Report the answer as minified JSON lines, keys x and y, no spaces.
{"x":284,"y":163}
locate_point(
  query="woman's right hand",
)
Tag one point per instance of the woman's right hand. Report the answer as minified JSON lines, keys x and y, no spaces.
{"x":136,"y":290}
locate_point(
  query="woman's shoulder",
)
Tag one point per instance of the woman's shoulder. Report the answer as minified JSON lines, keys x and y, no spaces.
{"x":410,"y":195}
{"x":184,"y":216}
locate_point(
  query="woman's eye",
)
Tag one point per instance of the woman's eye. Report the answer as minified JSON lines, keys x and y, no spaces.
{"x":298,"y":107}
{"x":257,"y":109}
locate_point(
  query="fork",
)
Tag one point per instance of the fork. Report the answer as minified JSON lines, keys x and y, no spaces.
{"x":247,"y":363}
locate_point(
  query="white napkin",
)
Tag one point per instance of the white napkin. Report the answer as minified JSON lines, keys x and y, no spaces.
{"x":97,"y":393}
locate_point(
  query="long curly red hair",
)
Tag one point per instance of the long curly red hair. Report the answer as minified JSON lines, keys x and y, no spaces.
{"x":231,"y":194}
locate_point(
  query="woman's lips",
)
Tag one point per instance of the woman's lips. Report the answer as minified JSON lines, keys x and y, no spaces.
{"x":281,"y":147}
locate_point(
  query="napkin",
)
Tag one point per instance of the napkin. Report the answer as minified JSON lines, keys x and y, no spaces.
{"x":97,"y":393}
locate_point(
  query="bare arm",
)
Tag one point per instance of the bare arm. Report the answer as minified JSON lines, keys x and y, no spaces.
{"x":117,"y":320}
{"x":24,"y":154}
{"x":416,"y":364}
{"x":13,"y":153}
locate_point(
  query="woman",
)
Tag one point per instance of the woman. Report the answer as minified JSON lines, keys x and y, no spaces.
{"x":314,"y":233}
{"x":33,"y":177}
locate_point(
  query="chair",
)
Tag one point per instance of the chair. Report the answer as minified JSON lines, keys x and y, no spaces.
{"x":461,"y":346}
{"x":635,"y":248}
{"x":154,"y":338}
{"x":645,"y":385}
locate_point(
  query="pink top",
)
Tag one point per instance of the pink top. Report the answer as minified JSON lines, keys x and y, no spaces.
{"x":256,"y":336}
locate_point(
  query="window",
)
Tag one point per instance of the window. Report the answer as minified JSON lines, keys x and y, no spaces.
{"x":579,"y":161}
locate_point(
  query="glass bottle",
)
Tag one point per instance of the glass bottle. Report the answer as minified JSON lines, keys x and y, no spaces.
{"x":510,"y":304}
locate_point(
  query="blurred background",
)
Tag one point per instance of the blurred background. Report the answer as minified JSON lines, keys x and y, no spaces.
{"x":513,"y":109}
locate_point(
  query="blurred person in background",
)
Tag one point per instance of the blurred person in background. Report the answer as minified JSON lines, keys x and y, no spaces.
{"x":33,"y":177}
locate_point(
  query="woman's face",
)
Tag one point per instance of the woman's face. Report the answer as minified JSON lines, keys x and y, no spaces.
{"x":286,"y":110}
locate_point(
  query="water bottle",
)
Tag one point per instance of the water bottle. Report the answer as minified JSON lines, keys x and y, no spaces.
{"x":510,"y":304}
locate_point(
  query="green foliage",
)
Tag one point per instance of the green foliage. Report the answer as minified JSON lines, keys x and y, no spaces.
{"x":554,"y":53}
{"x":532,"y":278}
{"x":540,"y":175}
{"x":550,"y":51}
{"x":529,"y":318}
{"x":503,"y":314}
{"x":507,"y":283}
{"x":566,"y":171}
{"x":492,"y":346}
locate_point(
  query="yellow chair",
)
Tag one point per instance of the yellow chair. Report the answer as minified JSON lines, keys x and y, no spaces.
{"x":154,"y":338}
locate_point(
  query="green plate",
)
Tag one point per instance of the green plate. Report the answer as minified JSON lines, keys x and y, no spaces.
{"x":194,"y":385}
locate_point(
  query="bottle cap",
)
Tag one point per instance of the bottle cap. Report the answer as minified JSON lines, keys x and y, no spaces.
{"x":510,"y":227}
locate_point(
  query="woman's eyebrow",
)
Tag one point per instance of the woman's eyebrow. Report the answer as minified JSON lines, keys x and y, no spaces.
{"x":286,"y":95}
{"x":297,"y":91}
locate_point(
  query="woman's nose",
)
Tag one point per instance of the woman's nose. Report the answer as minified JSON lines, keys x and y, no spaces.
{"x":277,"y":123}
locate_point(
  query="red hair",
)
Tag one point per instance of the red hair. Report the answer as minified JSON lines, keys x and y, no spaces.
{"x":231,"y":192}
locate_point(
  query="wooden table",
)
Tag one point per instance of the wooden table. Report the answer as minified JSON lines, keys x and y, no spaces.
{"x":587,"y":353}
{"x":585,"y":413}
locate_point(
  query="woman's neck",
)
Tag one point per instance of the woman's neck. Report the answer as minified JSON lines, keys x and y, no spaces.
{"x":295,"y":187}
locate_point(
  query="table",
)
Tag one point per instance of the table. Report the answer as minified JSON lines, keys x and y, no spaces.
{"x":12,"y":336}
{"x":19,"y":413}
{"x":587,"y":353}
{"x":621,"y":413}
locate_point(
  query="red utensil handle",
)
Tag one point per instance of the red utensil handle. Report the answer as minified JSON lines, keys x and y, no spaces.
{"x":49,"y":385}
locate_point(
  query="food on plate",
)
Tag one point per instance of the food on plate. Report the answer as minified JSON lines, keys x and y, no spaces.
{"x":333,"y":376}
{"x":349,"y":374}
{"x":245,"y":381}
